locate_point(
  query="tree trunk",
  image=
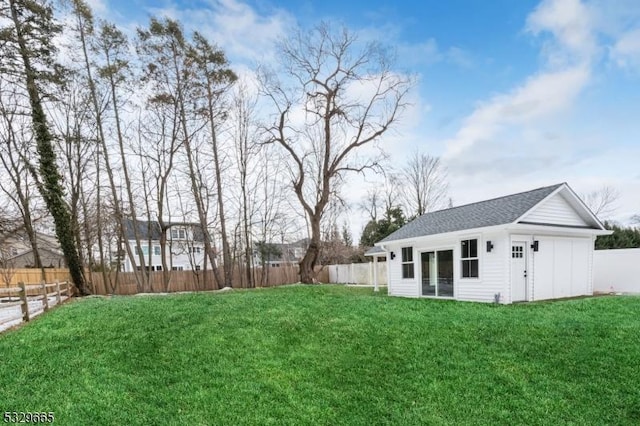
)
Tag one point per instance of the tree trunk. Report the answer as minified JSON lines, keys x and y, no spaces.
{"x":308,"y":262}
{"x":52,"y":191}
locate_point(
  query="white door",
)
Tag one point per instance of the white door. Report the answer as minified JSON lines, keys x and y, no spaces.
{"x":518,"y":271}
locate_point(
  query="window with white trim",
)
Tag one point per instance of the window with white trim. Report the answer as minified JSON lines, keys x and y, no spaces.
{"x":469,"y":258}
{"x":407,"y":262}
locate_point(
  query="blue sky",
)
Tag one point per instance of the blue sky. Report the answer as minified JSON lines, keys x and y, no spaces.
{"x":512,"y":94}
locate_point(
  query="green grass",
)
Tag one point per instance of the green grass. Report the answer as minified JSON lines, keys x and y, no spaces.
{"x":326,"y":355}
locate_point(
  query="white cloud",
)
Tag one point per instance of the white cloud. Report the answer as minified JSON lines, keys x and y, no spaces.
{"x":570,"y":24}
{"x":626,"y":51}
{"x":99,"y":7}
{"x":540,"y":96}
{"x":243,"y":33}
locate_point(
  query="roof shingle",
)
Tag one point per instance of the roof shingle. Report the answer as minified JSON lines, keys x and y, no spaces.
{"x":497,"y":211}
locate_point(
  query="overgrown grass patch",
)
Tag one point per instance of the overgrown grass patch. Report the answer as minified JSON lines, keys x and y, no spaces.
{"x":326,"y":355}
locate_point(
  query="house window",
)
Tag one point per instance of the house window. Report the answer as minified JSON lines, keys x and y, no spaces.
{"x":144,"y":250}
{"x":197,"y":267}
{"x":517,"y":252}
{"x":407,"y":262}
{"x":177,"y":268}
{"x":178,"y":234}
{"x":469,"y":256}
{"x":159,"y":268}
{"x":156,"y":250}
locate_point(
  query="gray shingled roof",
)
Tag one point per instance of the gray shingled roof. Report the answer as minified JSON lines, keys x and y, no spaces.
{"x":375,"y":251}
{"x":148,"y":229}
{"x":497,"y":211}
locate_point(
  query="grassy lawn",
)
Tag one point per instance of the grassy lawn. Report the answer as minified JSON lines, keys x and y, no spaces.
{"x":326,"y":355}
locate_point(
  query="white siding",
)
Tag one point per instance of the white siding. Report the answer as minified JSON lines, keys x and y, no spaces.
{"x":556,"y":210}
{"x":492,"y":278}
{"x":177,"y":255}
{"x":397,"y":285}
{"x":561,"y":267}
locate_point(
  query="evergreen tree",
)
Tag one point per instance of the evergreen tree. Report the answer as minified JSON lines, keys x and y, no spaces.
{"x":376,"y":230}
{"x":621,"y":238}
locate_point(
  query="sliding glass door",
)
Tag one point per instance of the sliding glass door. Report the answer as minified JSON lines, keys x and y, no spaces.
{"x":437,"y":273}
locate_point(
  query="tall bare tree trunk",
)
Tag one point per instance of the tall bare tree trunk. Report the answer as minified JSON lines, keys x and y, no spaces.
{"x":50,"y":188}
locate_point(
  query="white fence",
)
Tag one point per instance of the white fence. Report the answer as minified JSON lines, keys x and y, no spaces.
{"x":357,"y":273}
{"x":616,"y":271}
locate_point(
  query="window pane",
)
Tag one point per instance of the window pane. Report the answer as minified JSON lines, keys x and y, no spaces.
{"x":473,"y":266}
{"x":407,"y":254}
{"x":473,"y":248}
{"x":470,"y":268}
{"x":407,"y":270}
{"x":429,"y":278}
{"x":445,"y":273}
{"x":465,"y":249}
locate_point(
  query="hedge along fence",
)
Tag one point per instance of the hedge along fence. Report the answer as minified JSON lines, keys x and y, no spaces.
{"x":31,"y":275}
{"x":196,"y":280}
{"x":26,"y":297}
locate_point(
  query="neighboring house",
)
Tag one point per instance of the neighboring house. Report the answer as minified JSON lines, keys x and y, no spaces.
{"x":184,"y":249}
{"x":533,"y":245}
{"x":290,"y":254}
{"x":16,"y":251}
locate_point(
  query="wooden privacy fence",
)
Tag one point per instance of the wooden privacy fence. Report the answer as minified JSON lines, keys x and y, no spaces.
{"x":178,"y":281}
{"x":194,"y":280}
{"x":31,"y":300}
{"x":11,"y":277}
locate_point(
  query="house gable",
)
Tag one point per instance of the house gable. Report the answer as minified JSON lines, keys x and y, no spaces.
{"x":554,"y":211}
{"x":561,"y":208}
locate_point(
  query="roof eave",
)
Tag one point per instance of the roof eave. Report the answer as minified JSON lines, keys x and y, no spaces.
{"x":443,"y":234}
{"x":541,"y":228}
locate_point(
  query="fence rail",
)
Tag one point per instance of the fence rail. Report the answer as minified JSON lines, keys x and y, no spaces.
{"x":124,"y":283}
{"x":23,"y":302}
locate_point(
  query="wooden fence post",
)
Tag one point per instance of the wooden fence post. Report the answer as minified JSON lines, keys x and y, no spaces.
{"x":25,"y":302}
{"x":57,"y":292}
{"x":45,"y":300}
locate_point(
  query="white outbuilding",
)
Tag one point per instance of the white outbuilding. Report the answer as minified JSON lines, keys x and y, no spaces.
{"x":534,"y":245}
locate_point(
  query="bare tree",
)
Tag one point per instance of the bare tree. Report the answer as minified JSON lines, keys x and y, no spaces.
{"x":28,"y":40}
{"x":341,"y":99}
{"x":15,"y":140}
{"x":244,"y":135}
{"x":424,"y":184}
{"x":602,"y":201}
{"x":112,"y":46}
{"x":215,"y":78}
